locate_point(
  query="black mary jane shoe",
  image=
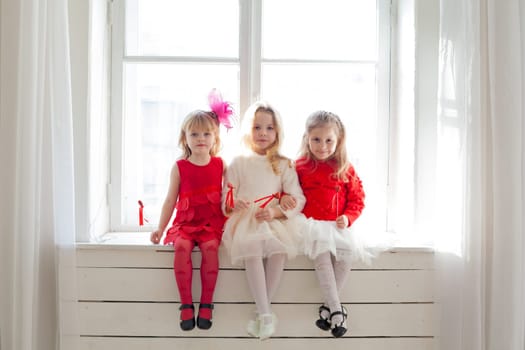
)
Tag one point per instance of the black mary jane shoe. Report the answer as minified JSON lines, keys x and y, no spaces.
{"x":323,"y":322}
{"x":204,"y":323}
{"x":340,"y":329}
{"x":187,"y":325}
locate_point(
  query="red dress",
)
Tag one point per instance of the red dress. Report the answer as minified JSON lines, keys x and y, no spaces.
{"x":199,"y":216}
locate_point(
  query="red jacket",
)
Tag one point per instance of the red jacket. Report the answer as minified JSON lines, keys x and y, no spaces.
{"x":326,"y":196}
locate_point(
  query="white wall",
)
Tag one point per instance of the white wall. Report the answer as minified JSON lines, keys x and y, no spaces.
{"x":415,"y":34}
{"x":99,"y":92}
{"x":89,"y":45}
{"x":426,"y":91}
{"x":402,"y":118}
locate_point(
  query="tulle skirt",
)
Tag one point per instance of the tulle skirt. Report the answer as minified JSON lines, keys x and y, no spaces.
{"x":245,"y":237}
{"x":320,"y":236}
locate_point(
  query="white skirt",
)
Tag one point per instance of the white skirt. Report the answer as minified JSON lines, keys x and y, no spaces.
{"x":320,"y":236}
{"x":246,"y":237}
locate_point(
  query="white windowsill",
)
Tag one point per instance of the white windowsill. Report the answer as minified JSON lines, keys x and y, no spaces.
{"x":140,"y":240}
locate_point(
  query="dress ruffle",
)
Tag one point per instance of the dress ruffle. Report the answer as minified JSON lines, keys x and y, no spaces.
{"x":209,"y":222}
{"x":245,"y":237}
{"x":320,"y":236}
{"x":199,"y":206}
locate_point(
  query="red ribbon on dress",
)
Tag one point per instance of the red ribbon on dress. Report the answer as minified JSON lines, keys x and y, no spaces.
{"x":336,"y":199}
{"x":276,"y":195}
{"x":141,"y":214}
{"x":229,"y":197}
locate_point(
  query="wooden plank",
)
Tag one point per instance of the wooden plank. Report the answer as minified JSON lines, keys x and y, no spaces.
{"x":100,"y":255}
{"x":295,"y":320}
{"x":126,"y":284}
{"x":109,"y":343}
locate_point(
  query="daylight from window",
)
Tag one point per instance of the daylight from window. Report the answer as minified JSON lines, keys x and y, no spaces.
{"x":309,"y":55}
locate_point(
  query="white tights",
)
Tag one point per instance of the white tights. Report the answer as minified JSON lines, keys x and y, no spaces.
{"x":332,"y":276}
{"x":263,"y":280}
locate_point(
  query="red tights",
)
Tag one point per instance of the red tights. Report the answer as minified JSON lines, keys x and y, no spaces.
{"x":183,"y":268}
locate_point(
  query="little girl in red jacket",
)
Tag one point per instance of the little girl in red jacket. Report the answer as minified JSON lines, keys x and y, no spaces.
{"x":334,"y":200}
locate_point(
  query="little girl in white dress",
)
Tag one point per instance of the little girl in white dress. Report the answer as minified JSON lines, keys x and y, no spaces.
{"x":259,"y":232}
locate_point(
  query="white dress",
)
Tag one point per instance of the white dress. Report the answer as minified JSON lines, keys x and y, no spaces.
{"x":320,"y":236}
{"x":252,"y":178}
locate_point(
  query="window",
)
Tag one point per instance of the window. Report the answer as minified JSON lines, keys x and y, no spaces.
{"x":301,"y":55}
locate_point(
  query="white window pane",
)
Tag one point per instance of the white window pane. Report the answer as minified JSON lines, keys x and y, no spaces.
{"x":319,"y":29}
{"x":182,"y":28}
{"x":350,"y":91}
{"x":346,"y":89}
{"x":157,"y":98}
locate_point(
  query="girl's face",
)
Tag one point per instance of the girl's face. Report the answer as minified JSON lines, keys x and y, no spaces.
{"x":263,"y":132}
{"x":322,"y":142}
{"x":200,"y":141}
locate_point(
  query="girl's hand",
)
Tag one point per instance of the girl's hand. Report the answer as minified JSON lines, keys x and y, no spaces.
{"x":287,"y":202}
{"x":240,"y":204}
{"x":266,"y":214}
{"x":155,"y":236}
{"x":341,"y":221}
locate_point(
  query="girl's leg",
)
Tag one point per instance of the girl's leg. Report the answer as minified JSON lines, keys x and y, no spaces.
{"x":257,"y":282}
{"x":209,"y":271}
{"x":274,"y":270}
{"x":182,"y":265}
{"x":342,"y":271}
{"x":326,"y":276}
{"x":265,"y":325}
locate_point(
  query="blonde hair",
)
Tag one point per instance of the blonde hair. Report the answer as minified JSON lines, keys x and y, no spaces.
{"x":199,"y":120}
{"x":273,"y":152}
{"x":321,"y":119}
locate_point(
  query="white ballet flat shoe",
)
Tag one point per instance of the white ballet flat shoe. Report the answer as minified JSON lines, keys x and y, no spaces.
{"x":253,"y":327}
{"x":266,"y":330}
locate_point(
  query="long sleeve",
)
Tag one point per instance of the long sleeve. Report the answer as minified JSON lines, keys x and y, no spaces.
{"x":292,"y":187}
{"x":355,"y":197}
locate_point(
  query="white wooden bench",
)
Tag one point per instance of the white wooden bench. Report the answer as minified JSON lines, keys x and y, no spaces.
{"x":128,"y":300}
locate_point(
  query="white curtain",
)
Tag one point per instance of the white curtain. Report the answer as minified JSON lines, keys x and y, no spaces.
{"x":37,"y":255}
{"x":479,"y":227}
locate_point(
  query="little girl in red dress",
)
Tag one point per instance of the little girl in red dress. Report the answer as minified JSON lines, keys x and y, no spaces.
{"x":195,"y":193}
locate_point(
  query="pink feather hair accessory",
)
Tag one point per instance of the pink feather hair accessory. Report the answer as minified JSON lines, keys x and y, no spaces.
{"x":222,"y":109}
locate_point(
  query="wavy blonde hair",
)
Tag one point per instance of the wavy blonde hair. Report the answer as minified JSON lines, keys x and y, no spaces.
{"x":273,"y":152}
{"x":199,"y":120}
{"x":321,"y":119}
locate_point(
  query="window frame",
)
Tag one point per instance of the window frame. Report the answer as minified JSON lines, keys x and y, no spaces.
{"x":250,"y":63}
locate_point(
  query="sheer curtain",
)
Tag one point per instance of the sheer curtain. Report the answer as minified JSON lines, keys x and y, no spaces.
{"x":37,"y":199}
{"x":480,"y":258}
